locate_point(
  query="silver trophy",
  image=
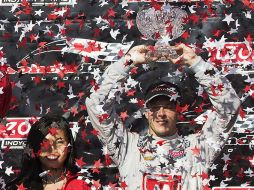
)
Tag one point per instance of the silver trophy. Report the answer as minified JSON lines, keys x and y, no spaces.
{"x":163,"y":26}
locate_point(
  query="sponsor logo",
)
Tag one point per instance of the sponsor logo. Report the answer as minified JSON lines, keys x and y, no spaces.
{"x":132,"y":1}
{"x":177,"y":154}
{"x":233,"y":188}
{"x":13,"y":143}
{"x":14,"y":133}
{"x":232,"y":52}
{"x":245,"y":140}
{"x":38,"y":69}
{"x":161,"y":182}
{"x":37,"y":2}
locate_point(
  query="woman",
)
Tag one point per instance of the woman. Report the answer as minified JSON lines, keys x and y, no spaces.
{"x":49,"y":158}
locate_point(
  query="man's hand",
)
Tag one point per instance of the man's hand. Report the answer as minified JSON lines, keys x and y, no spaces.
{"x":186,"y":55}
{"x":138,"y":55}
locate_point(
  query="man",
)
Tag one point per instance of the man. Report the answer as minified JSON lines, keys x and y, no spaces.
{"x":162,"y":159}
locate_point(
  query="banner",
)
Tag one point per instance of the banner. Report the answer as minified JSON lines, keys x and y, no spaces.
{"x":56,"y":51}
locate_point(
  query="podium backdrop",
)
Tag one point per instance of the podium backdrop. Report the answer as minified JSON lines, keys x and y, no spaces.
{"x":55,"y":51}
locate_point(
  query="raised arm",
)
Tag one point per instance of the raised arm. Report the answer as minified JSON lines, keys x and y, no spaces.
{"x":101,"y":110}
{"x":226,"y":103}
{"x":101,"y":105}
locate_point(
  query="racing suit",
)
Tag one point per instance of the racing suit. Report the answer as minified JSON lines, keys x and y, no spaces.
{"x":145,"y":161}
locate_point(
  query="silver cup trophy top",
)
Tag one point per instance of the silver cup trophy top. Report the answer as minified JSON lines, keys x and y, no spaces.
{"x":162,"y":25}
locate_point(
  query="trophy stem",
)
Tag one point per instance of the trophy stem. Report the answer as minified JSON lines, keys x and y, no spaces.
{"x":162,"y":50}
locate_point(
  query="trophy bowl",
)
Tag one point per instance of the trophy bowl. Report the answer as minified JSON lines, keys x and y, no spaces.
{"x":162,"y":26}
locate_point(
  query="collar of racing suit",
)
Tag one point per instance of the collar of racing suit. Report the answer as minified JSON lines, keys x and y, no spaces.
{"x":150,"y":143}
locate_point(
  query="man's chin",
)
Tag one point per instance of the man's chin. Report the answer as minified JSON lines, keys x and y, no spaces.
{"x":162,"y":133}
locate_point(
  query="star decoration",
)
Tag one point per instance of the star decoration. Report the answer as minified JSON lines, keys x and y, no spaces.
{"x":117,"y":143}
{"x":21,"y":187}
{"x":9,"y":171}
{"x":79,"y":162}
{"x":162,"y":165}
{"x":228,"y":18}
{"x":196,"y":151}
{"x":171,"y":161}
{"x":1,"y":162}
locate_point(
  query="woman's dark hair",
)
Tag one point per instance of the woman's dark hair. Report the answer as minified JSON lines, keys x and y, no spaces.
{"x":31,"y":166}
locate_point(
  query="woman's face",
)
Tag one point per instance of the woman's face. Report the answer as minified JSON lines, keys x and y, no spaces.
{"x":54,"y":149}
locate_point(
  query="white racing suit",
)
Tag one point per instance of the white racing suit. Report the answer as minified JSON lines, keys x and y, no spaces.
{"x":176,"y":162}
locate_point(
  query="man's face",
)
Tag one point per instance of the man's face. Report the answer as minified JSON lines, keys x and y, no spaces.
{"x":162,"y":116}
